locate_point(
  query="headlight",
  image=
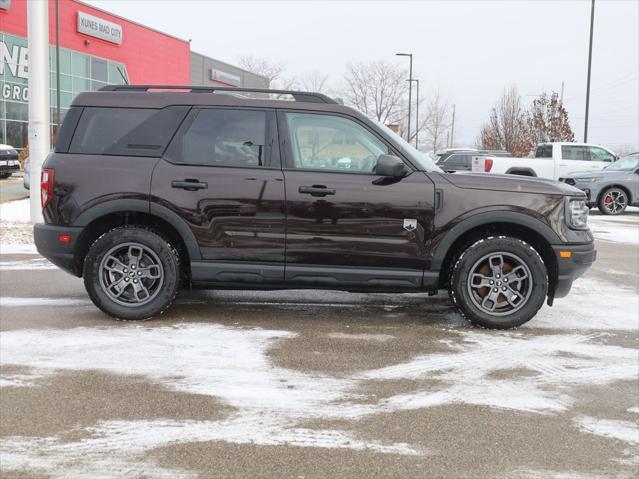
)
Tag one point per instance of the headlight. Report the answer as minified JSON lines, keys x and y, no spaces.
{"x":587,"y":180}
{"x":577,"y":213}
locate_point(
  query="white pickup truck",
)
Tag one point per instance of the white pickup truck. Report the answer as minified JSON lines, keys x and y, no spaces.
{"x":550,"y":160}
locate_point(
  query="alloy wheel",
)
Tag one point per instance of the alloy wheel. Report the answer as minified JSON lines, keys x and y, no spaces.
{"x":500,"y":283}
{"x":615,"y":201}
{"x":131,"y":274}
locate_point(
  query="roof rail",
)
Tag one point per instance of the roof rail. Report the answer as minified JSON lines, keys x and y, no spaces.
{"x":302,"y":96}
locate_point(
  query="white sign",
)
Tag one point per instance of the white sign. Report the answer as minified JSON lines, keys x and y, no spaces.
{"x":223,"y":77}
{"x":14,"y":62}
{"x":99,"y":28}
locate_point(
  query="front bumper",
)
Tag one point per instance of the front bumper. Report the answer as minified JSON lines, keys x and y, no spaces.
{"x":571,"y":267}
{"x":61,"y":254}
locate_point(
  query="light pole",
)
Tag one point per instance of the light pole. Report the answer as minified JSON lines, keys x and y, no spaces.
{"x":410,"y":87}
{"x":592,"y":24}
{"x":416,"y":115}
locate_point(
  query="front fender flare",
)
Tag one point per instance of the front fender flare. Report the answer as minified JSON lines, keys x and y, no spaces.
{"x":485,"y":219}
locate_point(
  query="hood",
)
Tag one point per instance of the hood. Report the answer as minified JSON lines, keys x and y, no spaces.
{"x":511,"y":183}
{"x":596,"y":174}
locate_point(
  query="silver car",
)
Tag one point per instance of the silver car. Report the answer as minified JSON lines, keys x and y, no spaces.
{"x":611,"y":189}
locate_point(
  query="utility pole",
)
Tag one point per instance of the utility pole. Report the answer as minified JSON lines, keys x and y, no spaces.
{"x":452,"y":129}
{"x":410,"y":88}
{"x":39,"y":127}
{"x":592,"y":24}
{"x":417,"y":116}
{"x":448,"y":139}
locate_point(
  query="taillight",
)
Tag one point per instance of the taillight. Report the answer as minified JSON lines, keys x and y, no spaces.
{"x":46,"y":187}
{"x":488,"y":164}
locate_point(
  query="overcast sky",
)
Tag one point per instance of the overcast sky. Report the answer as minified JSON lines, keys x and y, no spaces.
{"x":470,"y":50}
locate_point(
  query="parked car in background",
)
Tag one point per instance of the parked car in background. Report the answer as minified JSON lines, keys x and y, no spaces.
{"x":8,"y":161}
{"x":26,"y":179}
{"x":611,"y":189}
{"x":550,"y":160}
{"x":462,"y":160}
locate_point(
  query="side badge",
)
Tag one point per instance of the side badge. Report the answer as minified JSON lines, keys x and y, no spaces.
{"x":410,"y":224}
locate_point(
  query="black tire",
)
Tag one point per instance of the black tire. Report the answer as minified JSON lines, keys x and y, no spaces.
{"x":528,"y":295}
{"x":613,"y":201}
{"x":164,"y":261}
{"x":4,"y":176}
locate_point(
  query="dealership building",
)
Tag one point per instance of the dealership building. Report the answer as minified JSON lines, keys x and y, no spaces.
{"x":97,"y":48}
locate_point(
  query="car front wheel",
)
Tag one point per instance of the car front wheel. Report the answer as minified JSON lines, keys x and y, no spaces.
{"x":132,"y":273}
{"x":613,"y":201}
{"x":499,"y":282}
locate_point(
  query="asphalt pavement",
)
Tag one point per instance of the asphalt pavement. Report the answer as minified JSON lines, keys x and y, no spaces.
{"x":319,"y":384}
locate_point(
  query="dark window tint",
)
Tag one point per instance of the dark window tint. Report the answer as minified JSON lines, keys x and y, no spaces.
{"x":457,"y":162}
{"x":126,"y":131}
{"x":223,"y":138}
{"x":544,"y":151}
{"x":579,"y":153}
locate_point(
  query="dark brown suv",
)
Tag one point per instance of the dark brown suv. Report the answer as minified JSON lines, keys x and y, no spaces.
{"x":154,"y":188}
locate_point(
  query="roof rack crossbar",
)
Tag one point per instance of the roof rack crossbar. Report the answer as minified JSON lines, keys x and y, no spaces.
{"x":309,"y":97}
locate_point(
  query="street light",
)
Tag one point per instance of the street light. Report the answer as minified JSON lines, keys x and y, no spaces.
{"x":410,"y":87}
{"x":416,"y":115}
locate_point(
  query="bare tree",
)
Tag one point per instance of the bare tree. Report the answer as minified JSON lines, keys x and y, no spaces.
{"x":272,"y":71}
{"x":377,"y":89}
{"x":547,"y":120}
{"x":506,"y":128}
{"x":436,"y":121}
{"x":313,"y":81}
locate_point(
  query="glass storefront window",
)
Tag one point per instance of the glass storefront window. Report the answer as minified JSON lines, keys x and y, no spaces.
{"x":80,"y":65}
{"x":78,"y":72}
{"x":99,"y":69}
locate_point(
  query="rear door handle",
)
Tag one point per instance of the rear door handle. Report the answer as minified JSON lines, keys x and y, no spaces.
{"x":316,"y":190}
{"x":190,"y":184}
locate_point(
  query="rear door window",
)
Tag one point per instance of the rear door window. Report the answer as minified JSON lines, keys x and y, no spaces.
{"x":575,"y":153}
{"x":126,"y":131}
{"x":219,"y":137}
{"x":544,"y":151}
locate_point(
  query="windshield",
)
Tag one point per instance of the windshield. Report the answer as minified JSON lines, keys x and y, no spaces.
{"x":423,"y":160}
{"x":627,"y":163}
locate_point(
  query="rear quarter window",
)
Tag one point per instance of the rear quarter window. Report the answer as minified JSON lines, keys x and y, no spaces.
{"x":544,"y":151}
{"x":126,"y":131}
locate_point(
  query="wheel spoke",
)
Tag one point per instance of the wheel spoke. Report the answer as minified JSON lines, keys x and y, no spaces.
{"x":484,"y":281}
{"x":140,"y":292}
{"x":119,"y":287}
{"x":514,"y":275}
{"x":490,"y":301}
{"x":496,"y":263}
{"x":114,"y":265}
{"x":152,"y":272}
{"x":135,"y":254}
{"x":513,"y":297}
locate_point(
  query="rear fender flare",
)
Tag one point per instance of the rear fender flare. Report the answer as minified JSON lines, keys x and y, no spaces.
{"x":142,"y":206}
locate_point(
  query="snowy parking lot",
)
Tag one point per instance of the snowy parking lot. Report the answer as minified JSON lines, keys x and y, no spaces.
{"x":317,"y":384}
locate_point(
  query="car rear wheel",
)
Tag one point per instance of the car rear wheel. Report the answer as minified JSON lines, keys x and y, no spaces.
{"x":613,"y":201}
{"x":499,"y":282}
{"x":132,"y":273}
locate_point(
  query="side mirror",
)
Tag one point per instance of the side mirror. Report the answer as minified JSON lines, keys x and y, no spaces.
{"x":390,"y":166}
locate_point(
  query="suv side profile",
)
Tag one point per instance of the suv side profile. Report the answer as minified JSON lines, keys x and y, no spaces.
{"x":155,"y":188}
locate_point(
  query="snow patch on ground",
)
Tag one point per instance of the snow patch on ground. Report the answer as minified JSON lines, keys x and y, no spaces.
{"x":626,"y":431}
{"x":30,"y":264}
{"x":15,"y":212}
{"x":583,"y":308}
{"x":11,"y":302}
{"x":269,"y":402}
{"x":620,"y":229}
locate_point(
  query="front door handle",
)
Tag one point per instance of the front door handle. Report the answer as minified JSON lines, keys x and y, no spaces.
{"x":316,"y":190}
{"x":190,"y":184}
